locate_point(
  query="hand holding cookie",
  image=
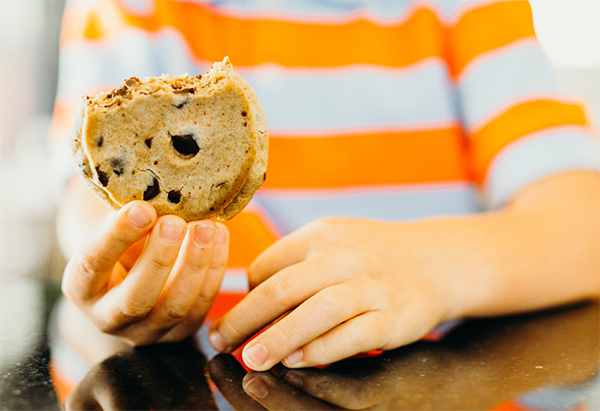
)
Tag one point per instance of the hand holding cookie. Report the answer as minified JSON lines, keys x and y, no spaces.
{"x":148,"y":279}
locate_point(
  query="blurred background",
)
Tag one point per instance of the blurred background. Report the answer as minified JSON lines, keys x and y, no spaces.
{"x":30,"y":262}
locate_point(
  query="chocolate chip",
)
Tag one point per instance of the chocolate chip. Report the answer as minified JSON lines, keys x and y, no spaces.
{"x":244,"y":113}
{"x":185,"y":144}
{"x":155,"y":162}
{"x":199,"y":76}
{"x":148,"y":142}
{"x":99,"y":140}
{"x":152,"y":190}
{"x":102,"y":176}
{"x":117,"y":164}
{"x":245,"y":123}
{"x":190,"y":90}
{"x":180,"y":105}
{"x":174,"y":196}
{"x":264,"y":177}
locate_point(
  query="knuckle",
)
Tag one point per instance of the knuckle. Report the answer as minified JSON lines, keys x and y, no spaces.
{"x":174,"y":312}
{"x":329,"y":306}
{"x":108,"y":326}
{"x":324,"y":352}
{"x":230,"y":332}
{"x":86,"y":263}
{"x":286,"y":335}
{"x":119,"y":236}
{"x":161,"y":262}
{"x":358,"y":333}
{"x":205,"y":299}
{"x":133,"y":310}
{"x":277,"y":293}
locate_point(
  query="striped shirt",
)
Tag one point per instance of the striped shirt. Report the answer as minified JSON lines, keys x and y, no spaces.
{"x":378,"y":109}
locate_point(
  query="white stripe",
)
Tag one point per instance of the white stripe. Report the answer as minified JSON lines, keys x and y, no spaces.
{"x":235,"y":280}
{"x":537,"y":156}
{"x":518,"y":73}
{"x":291,"y":209}
{"x":294,"y":100}
{"x":380,"y":12}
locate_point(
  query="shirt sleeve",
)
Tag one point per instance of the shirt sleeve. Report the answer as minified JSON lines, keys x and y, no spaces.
{"x":520,"y":125}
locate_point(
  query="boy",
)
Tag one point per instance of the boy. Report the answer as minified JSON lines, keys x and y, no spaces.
{"x":380,"y":113}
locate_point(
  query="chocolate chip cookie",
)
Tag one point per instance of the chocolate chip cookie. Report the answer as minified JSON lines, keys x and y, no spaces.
{"x":195,"y":147}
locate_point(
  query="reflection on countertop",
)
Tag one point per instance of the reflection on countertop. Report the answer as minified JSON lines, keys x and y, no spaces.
{"x":542,"y":361}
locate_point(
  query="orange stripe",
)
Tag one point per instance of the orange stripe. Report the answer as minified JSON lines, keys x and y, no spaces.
{"x":252,"y":42}
{"x":517,"y":122}
{"x":487,"y":28}
{"x":510,"y":405}
{"x":357,"y":160}
{"x":63,"y":384}
{"x":223,"y":303}
{"x":249,"y":237}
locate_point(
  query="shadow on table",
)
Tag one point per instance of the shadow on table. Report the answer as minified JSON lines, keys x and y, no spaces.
{"x":540,"y":361}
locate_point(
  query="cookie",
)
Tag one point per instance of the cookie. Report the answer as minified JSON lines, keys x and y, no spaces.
{"x":195,"y":147}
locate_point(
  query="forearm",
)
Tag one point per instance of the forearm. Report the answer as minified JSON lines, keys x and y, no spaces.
{"x":541,"y":250}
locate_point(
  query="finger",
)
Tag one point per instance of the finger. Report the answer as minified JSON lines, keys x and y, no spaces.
{"x":363,"y":333}
{"x":136,"y":295}
{"x":287,"y":251}
{"x":89,"y":270}
{"x":80,"y":400}
{"x":133,"y":253}
{"x":185,"y":282}
{"x":227,"y":374}
{"x":208,"y":291}
{"x":269,"y":300}
{"x":342,"y":390}
{"x":274,"y":394}
{"x":319,"y":314}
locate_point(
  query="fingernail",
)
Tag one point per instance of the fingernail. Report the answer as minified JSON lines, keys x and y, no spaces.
{"x":204,"y":234}
{"x":221,"y":237}
{"x":217,"y":341}
{"x":293,"y":379}
{"x":256,"y":387}
{"x":294,"y":357}
{"x":255,"y":356}
{"x":170,"y":231}
{"x":138,"y":216}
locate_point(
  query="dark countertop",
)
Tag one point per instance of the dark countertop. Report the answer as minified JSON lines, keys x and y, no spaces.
{"x":542,"y":361}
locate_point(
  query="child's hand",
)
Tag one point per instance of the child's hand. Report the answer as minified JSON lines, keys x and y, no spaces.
{"x":157,"y":292}
{"x":352,"y":286}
